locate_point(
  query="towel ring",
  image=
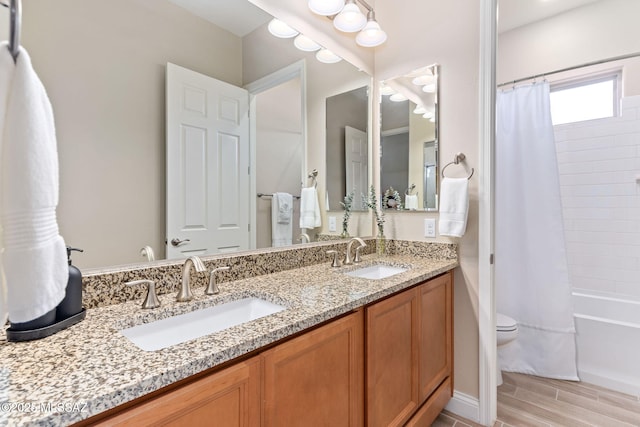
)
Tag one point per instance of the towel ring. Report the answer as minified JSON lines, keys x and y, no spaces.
{"x":459,"y":157}
{"x":408,"y":191}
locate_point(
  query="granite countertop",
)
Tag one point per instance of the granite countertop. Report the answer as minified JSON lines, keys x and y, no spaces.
{"x":91,"y":367}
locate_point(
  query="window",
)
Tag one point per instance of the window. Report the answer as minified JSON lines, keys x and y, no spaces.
{"x":589,"y":98}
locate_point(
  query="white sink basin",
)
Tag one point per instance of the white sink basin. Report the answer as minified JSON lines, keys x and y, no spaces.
{"x":189,"y":326}
{"x":376,"y":271}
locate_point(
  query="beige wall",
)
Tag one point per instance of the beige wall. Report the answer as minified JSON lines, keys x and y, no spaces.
{"x":103,"y":64}
{"x":604,"y":29}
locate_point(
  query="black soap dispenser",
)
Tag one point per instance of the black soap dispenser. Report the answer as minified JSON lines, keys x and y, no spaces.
{"x":72,"y":302}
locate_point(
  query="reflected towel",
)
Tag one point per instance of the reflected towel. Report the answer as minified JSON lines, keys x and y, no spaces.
{"x":35,"y":256}
{"x":309,"y":208}
{"x":411,"y":202}
{"x":454,"y":206}
{"x":284,"y":205}
{"x":281,"y":232}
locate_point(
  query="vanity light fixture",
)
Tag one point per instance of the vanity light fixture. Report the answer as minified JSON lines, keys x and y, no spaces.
{"x":281,"y":29}
{"x":386,"y":90}
{"x":350,"y":19}
{"x":398,"y":97}
{"x":423,"y":80}
{"x":430,"y":88}
{"x":305,"y":44}
{"x":420,"y":110}
{"x":326,"y":7}
{"x":428,"y":115}
{"x":328,"y":57}
{"x":371,"y":35}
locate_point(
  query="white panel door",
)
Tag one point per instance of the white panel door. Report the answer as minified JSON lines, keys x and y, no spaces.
{"x":357,"y":163}
{"x":207,"y":165}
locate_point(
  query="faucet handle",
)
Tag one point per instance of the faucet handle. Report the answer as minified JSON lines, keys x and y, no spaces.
{"x":336,"y":262}
{"x":357,"y":258}
{"x":151,"y":299}
{"x":213,"y":288}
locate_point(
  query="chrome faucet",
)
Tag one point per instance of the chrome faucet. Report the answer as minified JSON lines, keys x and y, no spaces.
{"x":185,"y":293}
{"x":304,"y":238}
{"x":347,"y":255}
{"x":213,"y":289}
{"x":151,"y":299}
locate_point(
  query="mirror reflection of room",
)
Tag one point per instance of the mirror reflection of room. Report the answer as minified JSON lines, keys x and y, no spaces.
{"x":409,"y":140}
{"x":110,"y":112}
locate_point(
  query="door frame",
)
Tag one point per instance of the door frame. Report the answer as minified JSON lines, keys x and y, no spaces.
{"x":296,"y":70}
{"x":486,"y":289}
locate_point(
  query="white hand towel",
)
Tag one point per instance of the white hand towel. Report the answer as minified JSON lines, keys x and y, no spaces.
{"x":284,"y":204}
{"x":454,"y":206}
{"x":309,"y":208}
{"x":281,"y":233}
{"x":411,"y":202}
{"x":34,"y":258}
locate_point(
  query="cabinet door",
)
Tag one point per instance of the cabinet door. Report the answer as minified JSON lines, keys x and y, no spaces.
{"x":436,"y":344}
{"x":230,"y":397}
{"x":316,"y":379}
{"x":392,"y":359}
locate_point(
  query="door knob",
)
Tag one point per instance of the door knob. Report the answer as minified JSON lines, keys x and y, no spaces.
{"x":177,"y":242}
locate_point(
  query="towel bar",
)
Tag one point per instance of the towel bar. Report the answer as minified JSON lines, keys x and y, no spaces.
{"x":459,"y":157}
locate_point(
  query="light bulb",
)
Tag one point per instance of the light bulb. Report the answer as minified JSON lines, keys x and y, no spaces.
{"x":328,"y":57}
{"x":419,"y":110}
{"x":423,"y":80}
{"x":386,"y":90}
{"x":371,"y":35}
{"x":350,"y":19}
{"x":280,"y":29}
{"x":326,"y":7}
{"x":398,"y":97}
{"x":304,"y":43}
{"x":430,"y":88}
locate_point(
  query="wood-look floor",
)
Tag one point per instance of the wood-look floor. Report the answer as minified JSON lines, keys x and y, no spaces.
{"x":530,"y":401}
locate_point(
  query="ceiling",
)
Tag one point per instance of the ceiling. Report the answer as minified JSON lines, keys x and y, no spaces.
{"x":240,"y":17}
{"x":516,"y":13}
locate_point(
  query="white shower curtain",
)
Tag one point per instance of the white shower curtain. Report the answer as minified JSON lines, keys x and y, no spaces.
{"x":531,"y":277}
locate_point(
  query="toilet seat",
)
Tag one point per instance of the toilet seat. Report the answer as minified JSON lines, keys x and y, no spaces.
{"x":505,"y":323}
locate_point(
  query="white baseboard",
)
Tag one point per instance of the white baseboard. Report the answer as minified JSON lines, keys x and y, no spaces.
{"x":464,"y":406}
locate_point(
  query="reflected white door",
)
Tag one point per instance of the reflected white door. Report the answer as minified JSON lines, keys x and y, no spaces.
{"x":357,"y":163}
{"x":207,"y":165}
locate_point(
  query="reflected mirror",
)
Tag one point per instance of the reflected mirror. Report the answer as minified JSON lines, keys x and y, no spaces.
{"x":409,"y":140}
{"x":347,"y":148}
{"x":105,"y":74}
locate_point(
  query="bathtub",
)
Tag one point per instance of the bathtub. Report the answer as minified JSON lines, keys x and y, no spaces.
{"x":608,"y":340}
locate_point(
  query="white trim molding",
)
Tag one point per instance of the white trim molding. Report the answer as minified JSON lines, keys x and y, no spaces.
{"x":464,"y":406}
{"x":487,"y":350}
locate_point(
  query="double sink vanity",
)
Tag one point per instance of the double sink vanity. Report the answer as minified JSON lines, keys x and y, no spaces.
{"x":288,"y":340}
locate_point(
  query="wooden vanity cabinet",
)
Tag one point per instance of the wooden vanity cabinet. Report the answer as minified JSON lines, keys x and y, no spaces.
{"x":317,"y":379}
{"x":409,"y":352}
{"x":388,"y":364}
{"x":227,"y":398}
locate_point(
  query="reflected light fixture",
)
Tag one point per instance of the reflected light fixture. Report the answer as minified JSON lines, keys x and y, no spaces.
{"x":350,"y":19}
{"x":428,"y":115}
{"x":328,"y":57}
{"x":305,"y":44}
{"x":326,"y":7}
{"x":280,"y":29}
{"x":398,"y":97}
{"x":430,"y":88}
{"x":386,"y":90}
{"x":371,"y":35}
{"x":424,"y":79}
{"x":420,"y":110}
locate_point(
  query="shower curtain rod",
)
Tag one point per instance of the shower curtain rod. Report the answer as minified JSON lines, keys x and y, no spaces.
{"x":575,"y":67}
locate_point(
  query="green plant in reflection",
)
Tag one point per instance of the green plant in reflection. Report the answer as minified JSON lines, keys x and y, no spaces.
{"x":347,"y":205}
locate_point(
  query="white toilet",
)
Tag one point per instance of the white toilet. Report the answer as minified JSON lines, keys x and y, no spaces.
{"x":506,"y":331}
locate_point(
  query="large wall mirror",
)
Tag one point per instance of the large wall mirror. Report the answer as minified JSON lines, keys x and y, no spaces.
{"x":105,"y":73}
{"x":409,"y":140}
